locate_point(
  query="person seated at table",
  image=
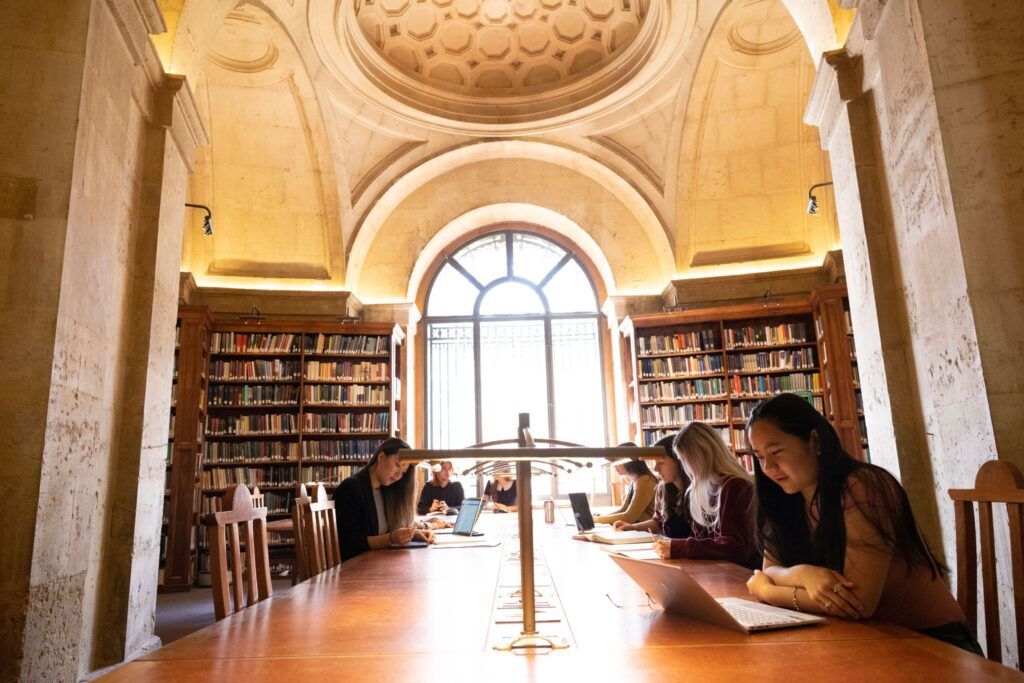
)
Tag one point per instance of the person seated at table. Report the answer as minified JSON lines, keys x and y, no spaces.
{"x":501,"y":494}
{"x":440,"y":493}
{"x":375,"y":506}
{"x":718,"y":499}
{"x":839,"y":536}
{"x":638,"y":504}
{"x":671,"y":515}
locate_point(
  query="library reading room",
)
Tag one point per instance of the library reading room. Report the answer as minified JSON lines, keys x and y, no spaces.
{"x":514,"y":340}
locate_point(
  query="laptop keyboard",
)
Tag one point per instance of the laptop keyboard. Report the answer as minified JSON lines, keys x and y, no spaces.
{"x":752,"y":618}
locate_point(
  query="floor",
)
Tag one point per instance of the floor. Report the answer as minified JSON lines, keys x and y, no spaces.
{"x":179,"y":614}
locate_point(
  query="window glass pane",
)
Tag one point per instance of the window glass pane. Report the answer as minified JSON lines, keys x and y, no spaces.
{"x":451,"y":400}
{"x":570,"y":291}
{"x":579,"y":407}
{"x":512,"y":298}
{"x":486,"y":259}
{"x":533,"y":257}
{"x":451,"y":294}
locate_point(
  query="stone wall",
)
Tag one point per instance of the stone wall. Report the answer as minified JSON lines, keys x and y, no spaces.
{"x":89,"y":307}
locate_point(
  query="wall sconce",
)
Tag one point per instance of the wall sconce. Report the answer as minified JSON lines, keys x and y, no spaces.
{"x":812,"y":201}
{"x":207,"y":220}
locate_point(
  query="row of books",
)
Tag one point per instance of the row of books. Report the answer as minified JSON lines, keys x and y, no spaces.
{"x":267,"y":423}
{"x":680,"y":365}
{"x":340,"y":423}
{"x":350,"y":344}
{"x":347,"y":449}
{"x":741,"y":409}
{"x":684,"y":389}
{"x":671,"y":416}
{"x":329,"y":475}
{"x":764,"y":385}
{"x":268,"y":370}
{"x":786,"y":359}
{"x":254,"y":395}
{"x":349,"y":394}
{"x":253,"y":342}
{"x":242,"y":451}
{"x":681,"y":342}
{"x":652,"y":436}
{"x":250,"y":476}
{"x":276,"y":502}
{"x":346,"y":370}
{"x":765,"y":335}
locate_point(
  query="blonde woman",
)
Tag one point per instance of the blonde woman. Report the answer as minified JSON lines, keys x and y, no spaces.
{"x":719,"y":499}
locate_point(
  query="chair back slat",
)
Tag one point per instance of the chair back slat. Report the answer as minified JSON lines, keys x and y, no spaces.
{"x":997,"y":482}
{"x":316,"y":523}
{"x":238,"y":524}
{"x":299,"y":510}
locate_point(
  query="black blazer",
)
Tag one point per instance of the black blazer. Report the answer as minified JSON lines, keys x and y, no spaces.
{"x":357,"y":514}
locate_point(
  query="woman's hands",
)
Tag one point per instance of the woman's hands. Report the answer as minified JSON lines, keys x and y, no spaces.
{"x":758,"y":584}
{"x":663,"y":546}
{"x":401,"y":536}
{"x":425,"y":536}
{"x":438,"y":506}
{"x":831,"y":590}
{"x":620,"y":525}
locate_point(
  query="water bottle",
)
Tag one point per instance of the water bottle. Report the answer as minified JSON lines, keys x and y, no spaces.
{"x":549,"y":511}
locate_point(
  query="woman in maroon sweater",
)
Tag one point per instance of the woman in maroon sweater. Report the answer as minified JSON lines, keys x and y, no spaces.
{"x":719,"y":498}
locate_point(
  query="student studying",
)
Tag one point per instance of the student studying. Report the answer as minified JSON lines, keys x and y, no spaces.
{"x":839,"y":535}
{"x":671,"y":516}
{"x":501,"y":494}
{"x":639,"y":499}
{"x":440,"y":492}
{"x":376,"y":505}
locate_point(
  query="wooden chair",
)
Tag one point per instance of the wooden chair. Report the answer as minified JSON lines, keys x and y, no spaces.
{"x":300,"y":507}
{"x":316,"y":524}
{"x":223,"y":531}
{"x":1000,"y":482}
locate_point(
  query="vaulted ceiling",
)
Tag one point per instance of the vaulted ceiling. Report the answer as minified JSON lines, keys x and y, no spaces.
{"x":352,"y":139}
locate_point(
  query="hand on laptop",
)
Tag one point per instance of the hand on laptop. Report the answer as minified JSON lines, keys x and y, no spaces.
{"x":663,"y":546}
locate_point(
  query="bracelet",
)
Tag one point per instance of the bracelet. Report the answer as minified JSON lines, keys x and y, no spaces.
{"x":796,"y":604}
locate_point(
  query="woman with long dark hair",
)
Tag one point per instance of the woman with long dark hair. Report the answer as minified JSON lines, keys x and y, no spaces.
{"x":671,"y":514}
{"x":376,"y":506}
{"x":838,"y":535}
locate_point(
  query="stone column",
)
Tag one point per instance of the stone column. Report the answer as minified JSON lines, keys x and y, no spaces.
{"x":131,"y":545}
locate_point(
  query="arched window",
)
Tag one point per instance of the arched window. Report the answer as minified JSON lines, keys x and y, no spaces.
{"x":512,"y":326}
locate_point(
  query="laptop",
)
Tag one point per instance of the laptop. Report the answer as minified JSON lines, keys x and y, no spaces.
{"x":675,"y":590}
{"x":469,"y":513}
{"x":581,"y":513}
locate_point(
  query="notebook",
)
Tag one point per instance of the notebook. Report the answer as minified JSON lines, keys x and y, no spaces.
{"x":617,"y":537}
{"x":675,"y":590}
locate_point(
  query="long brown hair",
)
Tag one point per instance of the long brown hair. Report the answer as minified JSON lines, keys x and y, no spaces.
{"x":399,"y":497}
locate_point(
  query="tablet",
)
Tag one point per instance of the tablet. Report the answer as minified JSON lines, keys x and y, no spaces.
{"x":407,"y":546}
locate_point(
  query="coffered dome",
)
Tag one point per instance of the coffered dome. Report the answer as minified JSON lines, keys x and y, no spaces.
{"x":500,"y":48}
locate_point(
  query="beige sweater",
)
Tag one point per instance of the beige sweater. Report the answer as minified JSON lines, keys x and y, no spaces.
{"x":641,"y":507}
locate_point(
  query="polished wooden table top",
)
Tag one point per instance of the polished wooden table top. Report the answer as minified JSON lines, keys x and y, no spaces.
{"x":419,"y":615}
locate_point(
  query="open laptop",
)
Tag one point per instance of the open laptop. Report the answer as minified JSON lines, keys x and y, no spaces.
{"x":675,"y":590}
{"x":581,"y":513}
{"x":469,"y":513}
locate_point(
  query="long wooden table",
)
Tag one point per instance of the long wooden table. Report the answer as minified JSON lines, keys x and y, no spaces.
{"x":426,"y":615}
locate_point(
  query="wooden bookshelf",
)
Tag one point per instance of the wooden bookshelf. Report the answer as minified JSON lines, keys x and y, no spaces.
{"x":185,"y":449}
{"x":844,"y":405}
{"x":715,"y":364}
{"x":293,"y":402}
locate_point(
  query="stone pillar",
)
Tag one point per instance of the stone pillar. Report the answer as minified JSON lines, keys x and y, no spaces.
{"x":131,"y":546}
{"x":920,"y":116}
{"x":91,"y":212}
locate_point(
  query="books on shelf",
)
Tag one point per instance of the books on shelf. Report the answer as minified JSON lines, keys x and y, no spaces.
{"x":669,"y":416}
{"x":330,"y":475}
{"x":250,"y":476}
{"x":250,"y":451}
{"x":679,"y":342}
{"x":769,"y":385}
{"x":254,"y":395}
{"x":332,"y":371}
{"x":348,"y":344}
{"x":740,"y":336}
{"x":266,"y":424}
{"x":348,"y":394}
{"x":253,"y":342}
{"x":680,"y":366}
{"x":347,"y":449}
{"x":341,"y":423}
{"x":258,"y":370}
{"x":713,"y":387}
{"x":784,"y":359}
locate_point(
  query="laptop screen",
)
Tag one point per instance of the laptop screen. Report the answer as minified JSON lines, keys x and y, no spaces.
{"x":581,"y":511}
{"x":468,"y":512}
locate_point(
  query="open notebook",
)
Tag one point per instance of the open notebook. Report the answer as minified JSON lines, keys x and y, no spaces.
{"x":617,"y":537}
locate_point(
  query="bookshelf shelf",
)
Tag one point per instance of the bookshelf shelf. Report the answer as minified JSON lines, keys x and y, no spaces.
{"x":690,"y":352}
{"x":772,"y":347}
{"x":286,"y":405}
{"x":773,"y":371}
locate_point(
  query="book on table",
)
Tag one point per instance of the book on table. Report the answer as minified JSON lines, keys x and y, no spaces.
{"x":616,"y":537}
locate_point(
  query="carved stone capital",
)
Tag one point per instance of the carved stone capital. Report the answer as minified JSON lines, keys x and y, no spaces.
{"x":176,"y":110}
{"x":839,"y":80}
